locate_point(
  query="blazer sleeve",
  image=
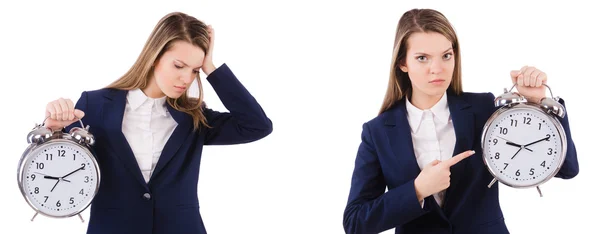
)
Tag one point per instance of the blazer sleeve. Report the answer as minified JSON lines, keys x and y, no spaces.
{"x":370,"y":209}
{"x":245,"y":122}
{"x":570,"y":167}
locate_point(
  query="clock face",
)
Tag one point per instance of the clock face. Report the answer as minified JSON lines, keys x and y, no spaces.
{"x":523,"y":147}
{"x":60,"y":178}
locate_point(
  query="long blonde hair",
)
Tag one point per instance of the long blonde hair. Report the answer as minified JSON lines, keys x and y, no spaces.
{"x":175,"y":26}
{"x":418,"y":20}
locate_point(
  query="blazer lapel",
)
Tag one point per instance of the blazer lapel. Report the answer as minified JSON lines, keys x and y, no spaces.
{"x":400,"y":140}
{"x":113,"y":111}
{"x":463,"y":122}
{"x":183,"y":129}
{"x":400,"y":137}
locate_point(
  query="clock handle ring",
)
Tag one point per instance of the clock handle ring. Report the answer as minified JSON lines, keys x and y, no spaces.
{"x":551,"y":95}
{"x":80,"y":122}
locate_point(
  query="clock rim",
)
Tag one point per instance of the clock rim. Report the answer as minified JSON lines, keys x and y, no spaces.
{"x":34,"y":148}
{"x":530,"y":107}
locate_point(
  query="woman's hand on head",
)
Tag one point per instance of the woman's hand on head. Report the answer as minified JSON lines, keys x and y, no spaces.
{"x":208,"y":66}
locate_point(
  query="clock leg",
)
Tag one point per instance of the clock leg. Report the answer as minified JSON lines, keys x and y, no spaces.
{"x":36,"y":213}
{"x":492,"y":183}
{"x":80,"y":217}
{"x":539,"y":191}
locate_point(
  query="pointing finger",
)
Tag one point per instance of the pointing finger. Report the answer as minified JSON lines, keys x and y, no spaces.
{"x":459,"y":157}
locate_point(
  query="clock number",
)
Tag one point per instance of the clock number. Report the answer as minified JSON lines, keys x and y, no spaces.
{"x":540,"y":128}
{"x":503,"y":131}
{"x":547,"y":137}
{"x":46,"y":199}
{"x":497,"y":155}
{"x":58,"y":203}
{"x":81,"y":191}
{"x":61,"y":153}
{"x":505,"y":166}
{"x":49,"y":157}
{"x":73,"y":157}
{"x":549,"y":151}
{"x":531,"y":172}
{"x":517,"y":173}
{"x":83,"y":166}
{"x":543,"y":164}
{"x":39,"y":165}
{"x":72,"y":200}
{"x":36,"y":190}
{"x":513,"y":122}
{"x":87,"y":179}
{"x":527,"y":120}
{"x":495,"y":141}
{"x":32,"y":177}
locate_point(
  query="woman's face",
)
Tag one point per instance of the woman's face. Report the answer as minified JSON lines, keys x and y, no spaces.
{"x":176,"y":69}
{"x":429,"y":63}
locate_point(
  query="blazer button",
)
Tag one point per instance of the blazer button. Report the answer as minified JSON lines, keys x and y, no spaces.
{"x":147,"y":196}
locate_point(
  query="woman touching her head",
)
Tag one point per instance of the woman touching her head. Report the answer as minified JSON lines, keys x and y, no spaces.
{"x":150,"y":133}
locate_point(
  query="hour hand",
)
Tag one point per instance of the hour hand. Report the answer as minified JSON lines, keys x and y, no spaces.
{"x":55,"y":178}
{"x":51,"y":177}
{"x":515,"y":144}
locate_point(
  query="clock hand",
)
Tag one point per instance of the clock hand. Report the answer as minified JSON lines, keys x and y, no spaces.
{"x":51,"y":177}
{"x":54,"y":185}
{"x":543,"y":139}
{"x":56,"y":178}
{"x":514,"y":144}
{"x":517,"y":152}
{"x":81,"y":168}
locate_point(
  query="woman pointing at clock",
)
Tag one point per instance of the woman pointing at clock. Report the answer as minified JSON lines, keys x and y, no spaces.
{"x":425,"y":144}
{"x":150,"y":134}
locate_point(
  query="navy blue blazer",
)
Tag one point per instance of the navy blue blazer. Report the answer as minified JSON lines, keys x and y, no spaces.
{"x":386,"y":159}
{"x":168,"y":203}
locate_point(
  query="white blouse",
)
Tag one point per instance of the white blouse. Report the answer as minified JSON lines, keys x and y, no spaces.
{"x":432,"y":134}
{"x":147,"y":125}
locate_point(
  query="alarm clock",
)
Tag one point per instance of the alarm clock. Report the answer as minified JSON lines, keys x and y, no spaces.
{"x":57,"y":174}
{"x":524,"y":144}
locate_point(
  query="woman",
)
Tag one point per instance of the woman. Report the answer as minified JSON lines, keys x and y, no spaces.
{"x":150,"y":133}
{"x":425,"y":119}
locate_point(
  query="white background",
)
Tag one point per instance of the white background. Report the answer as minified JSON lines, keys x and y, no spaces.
{"x":319,"y":69}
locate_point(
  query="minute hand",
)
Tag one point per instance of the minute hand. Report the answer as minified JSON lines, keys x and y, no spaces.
{"x":543,"y":139}
{"x":81,"y":168}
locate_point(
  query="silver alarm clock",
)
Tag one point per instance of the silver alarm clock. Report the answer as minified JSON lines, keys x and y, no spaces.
{"x":524,"y":144}
{"x":57,"y":174}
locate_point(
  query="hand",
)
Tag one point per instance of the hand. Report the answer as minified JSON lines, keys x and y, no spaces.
{"x":54,"y":185}
{"x":529,"y":82}
{"x":515,"y":144}
{"x":543,"y":139}
{"x":76,"y":170}
{"x":435,"y":176}
{"x":525,"y":146}
{"x":51,"y":177}
{"x":207,"y":65}
{"x":61,"y":113}
{"x":56,"y":178}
